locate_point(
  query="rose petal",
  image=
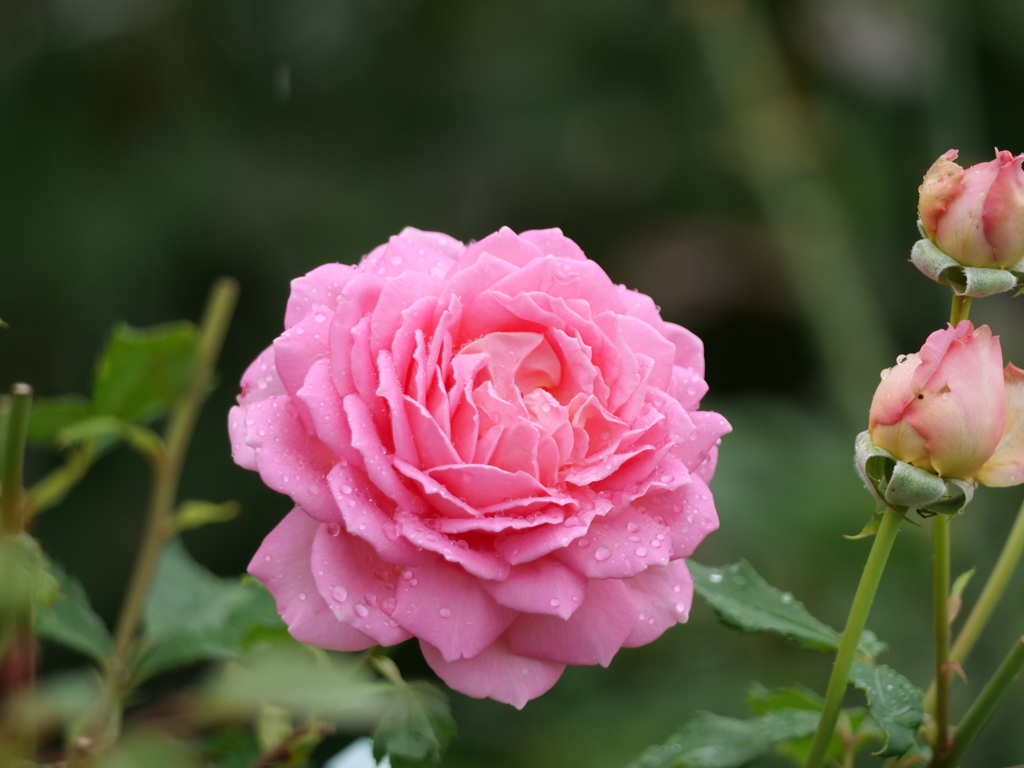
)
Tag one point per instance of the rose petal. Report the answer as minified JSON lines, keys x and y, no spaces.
{"x":241,"y":453}
{"x":445,"y":606}
{"x":482,"y":485}
{"x":356,"y":584}
{"x":689,"y":513}
{"x":1006,"y":466}
{"x":664,"y":596}
{"x":260,"y":379}
{"x":321,"y":287}
{"x":495,"y":673}
{"x":282,"y":564}
{"x":619,"y":547}
{"x":543,"y":586}
{"x":592,"y":635}
{"x":288,"y":459}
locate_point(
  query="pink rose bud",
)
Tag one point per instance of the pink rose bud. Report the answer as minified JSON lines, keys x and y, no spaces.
{"x":944,"y":408}
{"x":975,"y":217}
{"x":491,"y":448}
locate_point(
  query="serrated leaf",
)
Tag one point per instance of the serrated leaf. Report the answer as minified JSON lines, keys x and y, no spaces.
{"x":712,"y":741}
{"x":416,"y":729}
{"x":895,"y":702}
{"x":71,"y":621}
{"x":192,"y":615}
{"x":50,"y":415}
{"x":744,"y":600}
{"x":142,"y":373}
{"x":195,"y":514}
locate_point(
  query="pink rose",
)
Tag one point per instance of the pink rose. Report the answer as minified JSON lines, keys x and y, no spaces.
{"x":491,"y":448}
{"x":953,"y":410}
{"x":975,"y":216}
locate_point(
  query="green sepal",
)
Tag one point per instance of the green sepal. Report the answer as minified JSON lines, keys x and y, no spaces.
{"x":902,"y":486}
{"x":965,"y":281}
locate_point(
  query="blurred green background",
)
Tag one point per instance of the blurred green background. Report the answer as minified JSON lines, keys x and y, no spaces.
{"x":751,"y":165}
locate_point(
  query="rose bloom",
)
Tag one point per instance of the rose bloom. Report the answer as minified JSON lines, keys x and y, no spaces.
{"x":975,"y":216}
{"x":491,"y":448}
{"x":953,"y":409}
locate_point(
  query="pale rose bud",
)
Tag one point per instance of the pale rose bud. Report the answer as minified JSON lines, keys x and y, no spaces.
{"x":944,"y":408}
{"x":975,"y":216}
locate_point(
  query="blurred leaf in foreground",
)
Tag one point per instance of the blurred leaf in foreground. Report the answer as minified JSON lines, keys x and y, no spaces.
{"x":744,"y":600}
{"x":416,"y":729}
{"x":711,"y":741}
{"x":192,"y":615}
{"x":149,"y":749}
{"x":71,"y":621}
{"x":329,"y":688}
{"x":195,"y":514}
{"x":52,"y":414}
{"x":25,"y":580}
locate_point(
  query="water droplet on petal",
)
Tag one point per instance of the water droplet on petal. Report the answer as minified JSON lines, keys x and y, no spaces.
{"x":641,"y":551}
{"x":361,"y":610}
{"x":602,"y":553}
{"x":302,"y":595}
{"x":583,"y":543}
{"x":340,"y":594}
{"x":346,"y":489}
{"x":445,"y":612}
{"x":632,"y":527}
{"x":555,"y":602}
{"x":334,"y":529}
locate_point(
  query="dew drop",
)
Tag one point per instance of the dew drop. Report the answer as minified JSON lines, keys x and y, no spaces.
{"x":715,"y":578}
{"x":602,"y":553}
{"x":319,"y":318}
{"x":346,"y":489}
{"x":680,"y":607}
{"x":302,"y":595}
{"x":633,"y":527}
{"x":388,"y":605}
{"x":361,"y":610}
{"x":370,"y":598}
{"x":641,"y":551}
{"x":261,"y":432}
{"x":334,"y":529}
{"x":445,"y":612}
{"x":340,"y":594}
{"x":555,"y":602}
{"x":583,"y":543}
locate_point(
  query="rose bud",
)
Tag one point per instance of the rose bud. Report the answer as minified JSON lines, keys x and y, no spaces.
{"x":975,"y":217}
{"x":951,"y":409}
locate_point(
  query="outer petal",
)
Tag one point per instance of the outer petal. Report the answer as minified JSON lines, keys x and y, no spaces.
{"x":592,"y":635}
{"x":243,"y":455}
{"x":961,"y":232}
{"x":960,"y":412}
{"x":941,"y":184}
{"x":495,"y":673}
{"x":689,"y":513}
{"x":1006,"y":467}
{"x":543,"y":586}
{"x":357,"y":585}
{"x":894,"y":393}
{"x":664,"y":596}
{"x":620,"y":546}
{"x":1003,"y":215}
{"x":282,"y":564}
{"x":321,"y":287}
{"x":445,"y":606}
{"x":288,"y":459}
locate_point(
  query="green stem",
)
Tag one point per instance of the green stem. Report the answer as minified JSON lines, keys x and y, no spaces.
{"x":159,"y":527}
{"x":960,"y":309}
{"x":12,"y":493}
{"x":980,"y":712}
{"x":992,"y":593}
{"x":855,"y":622}
{"x":940,"y":596}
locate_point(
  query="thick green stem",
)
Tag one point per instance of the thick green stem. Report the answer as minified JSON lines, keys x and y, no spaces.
{"x":980,"y":712}
{"x":159,"y":526}
{"x":940,"y":596}
{"x":960,"y":309}
{"x":12,"y":494}
{"x":991,"y":594}
{"x":855,"y":622}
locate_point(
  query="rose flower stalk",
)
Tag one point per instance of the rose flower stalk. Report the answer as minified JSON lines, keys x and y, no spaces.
{"x":492,"y":448}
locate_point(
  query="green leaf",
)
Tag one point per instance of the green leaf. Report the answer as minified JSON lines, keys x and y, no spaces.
{"x":761,"y":700}
{"x":744,"y":600}
{"x":71,"y":621}
{"x":416,"y":729}
{"x":50,"y":415}
{"x":711,"y":741}
{"x":142,"y":373}
{"x":107,"y":430}
{"x":151,"y":749}
{"x":25,"y":581}
{"x":192,"y":615}
{"x":894,"y":702}
{"x":195,"y":514}
{"x":325,"y":687}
